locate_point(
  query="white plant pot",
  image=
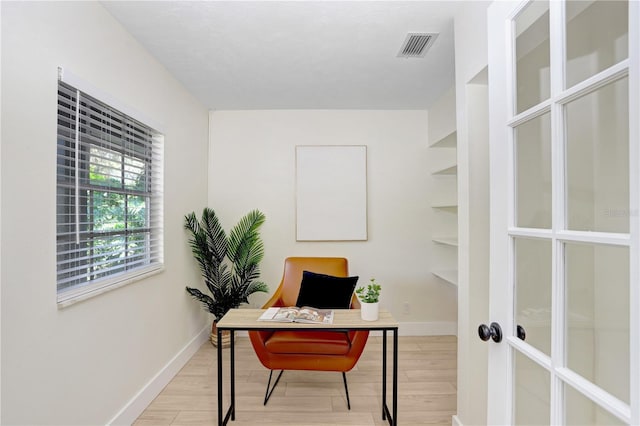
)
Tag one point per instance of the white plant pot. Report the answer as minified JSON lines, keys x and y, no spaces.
{"x":369,"y":311}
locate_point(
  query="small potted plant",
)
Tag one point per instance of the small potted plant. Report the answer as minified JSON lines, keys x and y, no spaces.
{"x":369,"y":297}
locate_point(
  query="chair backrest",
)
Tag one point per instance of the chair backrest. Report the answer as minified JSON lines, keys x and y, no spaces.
{"x":293,"y":267}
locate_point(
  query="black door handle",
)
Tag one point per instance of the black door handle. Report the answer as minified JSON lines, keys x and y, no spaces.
{"x":493,"y":332}
{"x":520,"y":332}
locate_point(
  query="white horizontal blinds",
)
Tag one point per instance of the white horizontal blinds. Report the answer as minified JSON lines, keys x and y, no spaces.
{"x":109,"y":192}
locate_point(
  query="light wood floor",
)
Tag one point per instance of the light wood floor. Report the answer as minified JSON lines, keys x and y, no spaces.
{"x":426,"y":389}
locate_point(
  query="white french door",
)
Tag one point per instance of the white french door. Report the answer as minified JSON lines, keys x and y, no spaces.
{"x":565,"y":214}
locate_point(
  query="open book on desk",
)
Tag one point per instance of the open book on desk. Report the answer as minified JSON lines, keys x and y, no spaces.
{"x":304,"y":314}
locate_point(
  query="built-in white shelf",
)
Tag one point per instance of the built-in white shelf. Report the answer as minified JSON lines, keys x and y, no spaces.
{"x":446,"y":171}
{"x":449,"y":141}
{"x":447,"y":241}
{"x":451,"y":208}
{"x":450,"y":276}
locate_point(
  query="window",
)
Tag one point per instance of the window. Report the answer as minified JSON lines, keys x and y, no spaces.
{"x":109,"y":196}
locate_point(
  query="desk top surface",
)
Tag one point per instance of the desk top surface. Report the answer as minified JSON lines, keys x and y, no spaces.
{"x":247,"y":319}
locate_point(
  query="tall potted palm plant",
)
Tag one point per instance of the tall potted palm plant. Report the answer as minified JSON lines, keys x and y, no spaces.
{"x":230,"y":265}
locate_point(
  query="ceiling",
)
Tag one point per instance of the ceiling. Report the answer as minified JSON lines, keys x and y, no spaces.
{"x":240,"y":55}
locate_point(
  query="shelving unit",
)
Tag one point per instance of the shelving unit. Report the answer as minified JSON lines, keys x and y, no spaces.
{"x":447,"y":171}
{"x":450,"y":276}
{"x":449,"y":141}
{"x":446,"y":242}
{"x":451,"y":208}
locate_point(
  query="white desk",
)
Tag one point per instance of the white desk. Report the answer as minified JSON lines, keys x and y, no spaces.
{"x":344,"y":320}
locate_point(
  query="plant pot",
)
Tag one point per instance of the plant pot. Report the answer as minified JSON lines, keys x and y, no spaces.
{"x":226,"y":336}
{"x":369,"y":311}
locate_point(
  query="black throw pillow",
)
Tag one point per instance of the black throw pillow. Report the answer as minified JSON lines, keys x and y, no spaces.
{"x":326,"y":291}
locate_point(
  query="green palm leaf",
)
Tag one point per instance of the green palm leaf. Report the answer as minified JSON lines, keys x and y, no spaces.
{"x":228,"y":265}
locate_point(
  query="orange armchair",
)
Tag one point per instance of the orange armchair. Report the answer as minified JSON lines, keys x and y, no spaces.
{"x":308,"y":350}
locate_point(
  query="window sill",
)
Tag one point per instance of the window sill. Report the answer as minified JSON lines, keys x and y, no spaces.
{"x":74,"y":296}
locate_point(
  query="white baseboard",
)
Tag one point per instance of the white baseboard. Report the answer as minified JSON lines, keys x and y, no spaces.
{"x":442,"y":328}
{"x":455,"y":421}
{"x":424,"y":329}
{"x":132,"y":410}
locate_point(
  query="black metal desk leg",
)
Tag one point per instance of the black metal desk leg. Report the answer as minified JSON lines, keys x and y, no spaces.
{"x":232,"y":356}
{"x":395,"y":377}
{"x":220,"y":419}
{"x":384,"y":374}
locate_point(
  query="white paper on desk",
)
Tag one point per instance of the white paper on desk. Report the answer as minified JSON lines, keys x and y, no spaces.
{"x":268,"y":314}
{"x":304,"y":314}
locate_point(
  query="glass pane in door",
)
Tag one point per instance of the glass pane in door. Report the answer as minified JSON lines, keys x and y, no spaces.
{"x":597,"y":149}
{"x":597,"y":319}
{"x":531,"y":392}
{"x":533,"y":291}
{"x":532,"y":144}
{"x":531,"y":28}
{"x":597,"y":37}
{"x":581,"y":411}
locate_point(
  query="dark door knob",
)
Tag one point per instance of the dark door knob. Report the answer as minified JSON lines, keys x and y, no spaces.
{"x":493,"y":332}
{"x":520,"y":332}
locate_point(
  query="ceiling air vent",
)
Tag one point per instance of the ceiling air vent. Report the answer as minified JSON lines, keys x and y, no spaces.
{"x":416,"y":45}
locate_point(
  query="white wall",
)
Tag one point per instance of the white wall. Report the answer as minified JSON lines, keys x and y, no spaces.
{"x":470,"y":29}
{"x":252,"y":165}
{"x":84,"y":363}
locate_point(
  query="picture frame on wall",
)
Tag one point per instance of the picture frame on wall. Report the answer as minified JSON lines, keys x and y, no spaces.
{"x":331,"y":193}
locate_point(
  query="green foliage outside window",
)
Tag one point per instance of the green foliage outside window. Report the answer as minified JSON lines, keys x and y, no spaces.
{"x":109,"y":211}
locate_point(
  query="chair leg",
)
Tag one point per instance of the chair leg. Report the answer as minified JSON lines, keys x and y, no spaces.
{"x":267,"y":395}
{"x":346,"y":389}
{"x":270,"y":388}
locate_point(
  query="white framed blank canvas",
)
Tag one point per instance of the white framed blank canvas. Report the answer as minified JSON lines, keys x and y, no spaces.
{"x":331,"y":193}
